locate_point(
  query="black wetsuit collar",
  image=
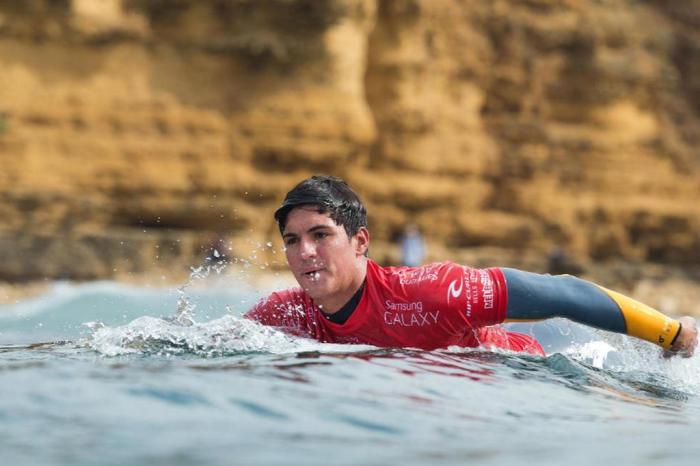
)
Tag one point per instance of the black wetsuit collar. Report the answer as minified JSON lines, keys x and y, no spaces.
{"x":342,"y":315}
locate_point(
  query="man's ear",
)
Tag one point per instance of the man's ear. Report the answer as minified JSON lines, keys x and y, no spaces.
{"x":361,"y":241}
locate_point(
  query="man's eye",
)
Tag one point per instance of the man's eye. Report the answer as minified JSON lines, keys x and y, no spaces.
{"x":290,"y":241}
{"x":320,"y":234}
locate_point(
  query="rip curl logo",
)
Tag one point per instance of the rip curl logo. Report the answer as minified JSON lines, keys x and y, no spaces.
{"x":453,"y":291}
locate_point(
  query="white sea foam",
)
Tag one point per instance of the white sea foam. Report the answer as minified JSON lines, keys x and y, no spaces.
{"x":592,"y":352}
{"x":224,"y":336}
{"x":624,"y":354}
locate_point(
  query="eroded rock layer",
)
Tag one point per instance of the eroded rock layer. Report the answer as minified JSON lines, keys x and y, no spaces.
{"x":133,"y":133}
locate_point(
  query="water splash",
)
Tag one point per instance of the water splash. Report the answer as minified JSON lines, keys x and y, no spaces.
{"x":185,"y":313}
{"x":226,"y":336}
{"x":182,"y":334}
{"x":151,"y":335}
{"x":636,"y":359}
{"x":594,"y":353}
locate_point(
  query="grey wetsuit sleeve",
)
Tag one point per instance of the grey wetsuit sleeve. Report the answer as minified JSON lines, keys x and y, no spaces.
{"x":533,"y":296}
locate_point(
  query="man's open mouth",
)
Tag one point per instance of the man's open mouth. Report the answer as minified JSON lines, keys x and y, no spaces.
{"x":313,"y":274}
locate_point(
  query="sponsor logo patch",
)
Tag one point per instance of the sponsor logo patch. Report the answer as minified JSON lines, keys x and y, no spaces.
{"x":455,"y":289}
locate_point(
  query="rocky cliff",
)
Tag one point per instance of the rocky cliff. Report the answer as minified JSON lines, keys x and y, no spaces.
{"x":133,"y":133}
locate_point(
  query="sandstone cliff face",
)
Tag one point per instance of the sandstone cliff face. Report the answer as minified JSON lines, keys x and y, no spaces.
{"x":133,"y":132}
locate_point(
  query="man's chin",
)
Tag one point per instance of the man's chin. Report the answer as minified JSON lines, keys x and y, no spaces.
{"x":316,"y":290}
{"x":310,"y":285}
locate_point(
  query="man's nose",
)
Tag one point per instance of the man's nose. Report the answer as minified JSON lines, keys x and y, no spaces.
{"x":307,"y":249}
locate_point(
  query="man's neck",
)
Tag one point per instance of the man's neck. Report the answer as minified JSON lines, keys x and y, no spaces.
{"x":345,"y":312}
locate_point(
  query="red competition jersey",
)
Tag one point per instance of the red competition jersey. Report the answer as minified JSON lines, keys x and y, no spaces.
{"x":429,"y":307}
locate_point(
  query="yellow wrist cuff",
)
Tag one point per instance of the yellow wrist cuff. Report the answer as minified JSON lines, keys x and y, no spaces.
{"x":645,"y":322}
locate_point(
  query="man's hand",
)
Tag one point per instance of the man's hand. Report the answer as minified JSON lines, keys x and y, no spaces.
{"x":687,"y":340}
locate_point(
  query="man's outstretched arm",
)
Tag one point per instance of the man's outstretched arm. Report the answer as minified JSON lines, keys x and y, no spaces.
{"x":533,"y":297}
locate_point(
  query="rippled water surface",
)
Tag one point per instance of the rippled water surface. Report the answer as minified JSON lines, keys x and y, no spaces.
{"x":145,"y":385}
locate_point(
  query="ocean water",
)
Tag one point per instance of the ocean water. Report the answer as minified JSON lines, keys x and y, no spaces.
{"x":109,"y":374}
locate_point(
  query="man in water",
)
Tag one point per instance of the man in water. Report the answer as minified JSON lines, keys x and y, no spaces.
{"x":345,"y":297}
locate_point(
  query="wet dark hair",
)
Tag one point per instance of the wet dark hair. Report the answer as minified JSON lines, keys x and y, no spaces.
{"x":330,"y":195}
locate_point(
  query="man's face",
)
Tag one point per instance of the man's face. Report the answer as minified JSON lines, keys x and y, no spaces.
{"x":326,"y":263}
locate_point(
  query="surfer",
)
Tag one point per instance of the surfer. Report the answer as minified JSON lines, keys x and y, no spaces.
{"x":346,"y":297}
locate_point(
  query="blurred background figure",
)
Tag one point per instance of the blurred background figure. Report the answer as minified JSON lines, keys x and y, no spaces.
{"x":412,"y":246}
{"x":559,"y":262}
